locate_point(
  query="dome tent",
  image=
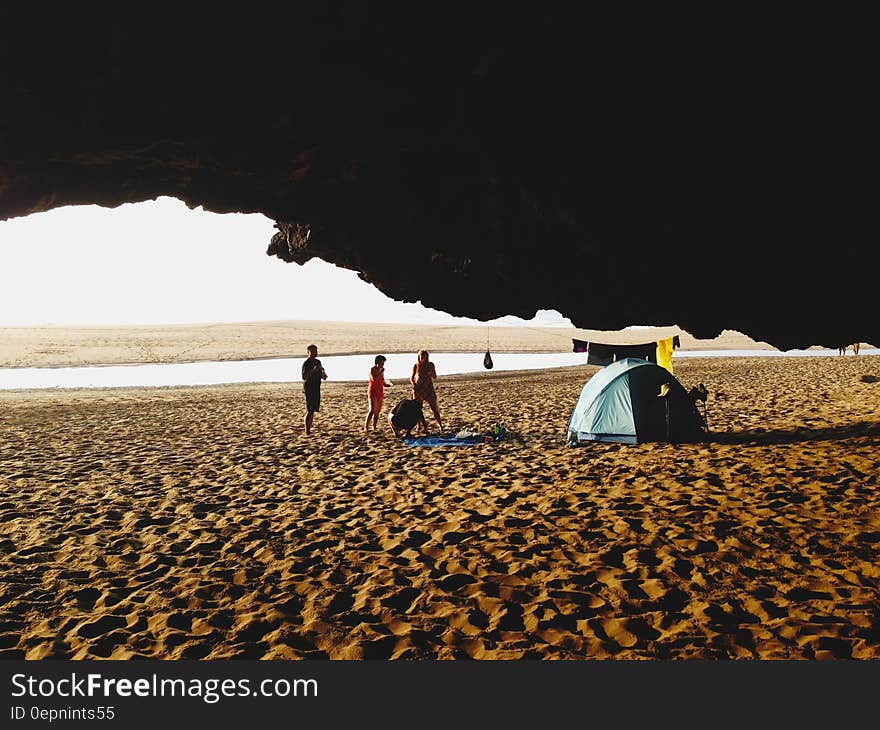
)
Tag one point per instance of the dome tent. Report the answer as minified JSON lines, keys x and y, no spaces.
{"x":632,"y":401}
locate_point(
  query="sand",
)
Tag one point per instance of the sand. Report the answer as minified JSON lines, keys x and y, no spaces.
{"x":202,"y":523}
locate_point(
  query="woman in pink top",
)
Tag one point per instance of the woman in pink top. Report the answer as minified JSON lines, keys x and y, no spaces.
{"x":376,"y":392}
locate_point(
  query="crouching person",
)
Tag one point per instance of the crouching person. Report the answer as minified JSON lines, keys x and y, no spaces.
{"x":405,"y":416}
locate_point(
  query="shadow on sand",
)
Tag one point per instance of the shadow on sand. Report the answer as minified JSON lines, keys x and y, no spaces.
{"x":759,"y":437}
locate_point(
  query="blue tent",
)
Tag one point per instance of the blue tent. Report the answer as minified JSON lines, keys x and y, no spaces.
{"x":632,"y":401}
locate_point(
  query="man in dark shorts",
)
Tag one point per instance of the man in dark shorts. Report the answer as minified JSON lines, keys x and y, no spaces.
{"x":312,"y":375}
{"x":405,"y":416}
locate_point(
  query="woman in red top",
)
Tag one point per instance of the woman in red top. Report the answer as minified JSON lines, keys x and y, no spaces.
{"x":376,"y":392}
{"x":422,"y":380}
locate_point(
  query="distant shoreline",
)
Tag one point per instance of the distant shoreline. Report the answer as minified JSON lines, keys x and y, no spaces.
{"x":58,"y":346}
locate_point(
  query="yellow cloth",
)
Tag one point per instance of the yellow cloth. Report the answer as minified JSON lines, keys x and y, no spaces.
{"x":664,"y":353}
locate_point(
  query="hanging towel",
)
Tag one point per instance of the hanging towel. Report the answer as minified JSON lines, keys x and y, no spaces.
{"x":664,"y":353}
{"x":602,"y":354}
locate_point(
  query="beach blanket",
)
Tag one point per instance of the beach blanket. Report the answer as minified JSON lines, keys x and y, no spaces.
{"x":446,"y":440}
{"x":462,"y":438}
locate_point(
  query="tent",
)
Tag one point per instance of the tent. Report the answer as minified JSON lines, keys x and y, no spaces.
{"x":631,"y":401}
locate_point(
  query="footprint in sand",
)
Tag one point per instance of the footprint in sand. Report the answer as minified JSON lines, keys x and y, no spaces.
{"x":86,"y":598}
{"x":104,"y":624}
{"x":452,"y":583}
{"x":401,"y":601}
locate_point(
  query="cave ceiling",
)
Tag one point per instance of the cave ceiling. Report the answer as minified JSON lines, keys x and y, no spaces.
{"x":480,"y":159}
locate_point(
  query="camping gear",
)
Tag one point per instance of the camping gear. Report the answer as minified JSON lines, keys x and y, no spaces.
{"x":465,"y":437}
{"x":599,"y":353}
{"x":699,"y":394}
{"x":664,"y":352}
{"x":632,"y":401}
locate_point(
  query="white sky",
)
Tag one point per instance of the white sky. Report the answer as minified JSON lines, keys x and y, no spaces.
{"x":161,"y":263}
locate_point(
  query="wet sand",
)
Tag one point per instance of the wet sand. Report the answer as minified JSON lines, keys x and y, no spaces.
{"x":201,"y":522}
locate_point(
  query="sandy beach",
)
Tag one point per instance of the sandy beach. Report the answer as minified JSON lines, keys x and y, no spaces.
{"x":201,"y":522}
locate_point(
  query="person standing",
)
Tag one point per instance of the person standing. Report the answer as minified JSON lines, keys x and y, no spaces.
{"x":376,"y":392}
{"x":423,"y":375}
{"x":312,"y":374}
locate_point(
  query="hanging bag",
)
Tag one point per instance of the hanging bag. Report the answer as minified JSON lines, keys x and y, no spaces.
{"x":487,"y":360}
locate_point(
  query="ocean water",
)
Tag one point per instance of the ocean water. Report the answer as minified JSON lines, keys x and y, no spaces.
{"x":398,"y":368}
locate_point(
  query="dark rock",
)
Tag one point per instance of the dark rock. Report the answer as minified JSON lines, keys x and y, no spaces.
{"x":620,"y":173}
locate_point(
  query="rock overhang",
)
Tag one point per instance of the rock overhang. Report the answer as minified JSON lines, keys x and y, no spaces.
{"x":482,"y":164}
